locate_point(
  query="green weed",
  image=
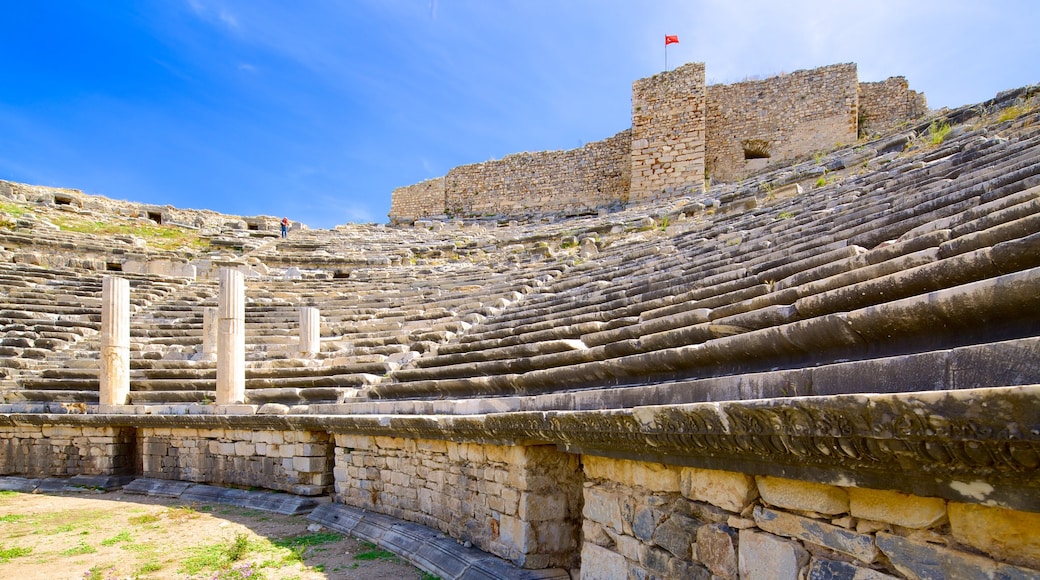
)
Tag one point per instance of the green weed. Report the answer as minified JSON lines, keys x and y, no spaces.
{"x":1011,"y":113}
{"x":123,"y":536}
{"x":81,"y":548}
{"x":937,"y":132}
{"x":10,"y":553}
{"x":374,"y":553}
{"x":785,"y":215}
{"x":11,"y":518}
{"x":144,"y":519}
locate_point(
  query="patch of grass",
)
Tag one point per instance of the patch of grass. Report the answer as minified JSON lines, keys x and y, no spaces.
{"x":307,"y":540}
{"x":144,"y":519}
{"x":937,"y":132}
{"x":123,"y":536}
{"x":7,"y":554}
{"x":217,"y":556}
{"x":162,"y":237}
{"x":785,"y":215}
{"x":1011,"y":113}
{"x":822,"y":181}
{"x":371,"y":552}
{"x":11,"y":518}
{"x":99,"y":573}
{"x":181,"y":512}
{"x":8,"y":493}
{"x":81,"y":548}
{"x":428,"y":576}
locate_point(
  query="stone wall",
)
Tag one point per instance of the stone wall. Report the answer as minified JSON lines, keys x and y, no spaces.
{"x":412,"y":202}
{"x":787,"y":115}
{"x":885,"y":105}
{"x":591,"y":176}
{"x":66,"y":450}
{"x":651,"y":520}
{"x":294,"y":461}
{"x":668,"y":133}
{"x":520,"y":503}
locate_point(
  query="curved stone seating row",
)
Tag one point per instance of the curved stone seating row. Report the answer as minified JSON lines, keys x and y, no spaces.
{"x":936,"y":242}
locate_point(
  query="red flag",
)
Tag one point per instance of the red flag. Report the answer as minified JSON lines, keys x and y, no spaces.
{"x":673,"y":39}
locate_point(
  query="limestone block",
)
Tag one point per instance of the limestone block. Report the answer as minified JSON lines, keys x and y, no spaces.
{"x":803,"y":495}
{"x":1005,"y":534}
{"x":831,"y":569}
{"x":859,"y":546}
{"x":651,"y":476}
{"x":766,"y":556}
{"x":896,"y":508}
{"x":536,"y":507}
{"x":598,"y":563}
{"x":604,"y":507}
{"x":725,"y":489}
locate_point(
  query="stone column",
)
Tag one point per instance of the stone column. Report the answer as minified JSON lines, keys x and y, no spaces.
{"x":310,"y":330}
{"x":231,"y":338}
{"x":115,"y":341}
{"x":209,"y":333}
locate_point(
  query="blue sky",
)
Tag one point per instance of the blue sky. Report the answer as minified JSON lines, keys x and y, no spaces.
{"x":317,"y":110}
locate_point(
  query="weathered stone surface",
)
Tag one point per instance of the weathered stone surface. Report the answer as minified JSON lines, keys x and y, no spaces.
{"x":917,"y":559}
{"x":717,"y":550}
{"x":725,"y":489}
{"x":834,"y":570}
{"x":602,"y":564}
{"x":651,"y":476}
{"x":677,"y":534}
{"x":896,"y":508}
{"x":766,"y":556}
{"x":1007,"y":535}
{"x":803,"y":495}
{"x":859,"y":546}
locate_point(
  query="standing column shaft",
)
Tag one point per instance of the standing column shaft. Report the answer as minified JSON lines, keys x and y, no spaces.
{"x":115,"y":341}
{"x":310,"y":330}
{"x":231,"y":338}
{"x":209,"y":333}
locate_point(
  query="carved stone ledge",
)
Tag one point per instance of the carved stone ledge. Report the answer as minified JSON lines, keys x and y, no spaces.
{"x":973,"y":445}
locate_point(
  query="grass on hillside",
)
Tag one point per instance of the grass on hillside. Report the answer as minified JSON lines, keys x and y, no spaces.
{"x":159,"y":237}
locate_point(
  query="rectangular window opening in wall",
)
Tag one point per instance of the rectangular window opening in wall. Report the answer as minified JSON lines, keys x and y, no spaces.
{"x":253,"y":227}
{"x":60,"y":200}
{"x":155,"y":217}
{"x":113,"y":267}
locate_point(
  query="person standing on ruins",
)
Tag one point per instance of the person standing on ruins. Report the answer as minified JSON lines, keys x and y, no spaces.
{"x":285,"y":227}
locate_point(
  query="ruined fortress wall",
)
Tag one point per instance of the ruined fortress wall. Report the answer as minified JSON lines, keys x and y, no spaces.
{"x":793,"y":113}
{"x":668,"y":133}
{"x":885,"y":105}
{"x":422,"y":199}
{"x":588,"y":177}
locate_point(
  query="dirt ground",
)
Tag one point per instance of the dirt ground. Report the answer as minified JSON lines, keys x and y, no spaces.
{"x":115,"y":536}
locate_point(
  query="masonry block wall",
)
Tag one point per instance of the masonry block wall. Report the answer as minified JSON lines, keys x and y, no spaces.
{"x":298,"y":462}
{"x":520,"y":503}
{"x":790,"y":115}
{"x":885,"y":105}
{"x":416,"y":201}
{"x":668,"y":129}
{"x":645,"y":520}
{"x":592,"y":176}
{"x":67,"y":450}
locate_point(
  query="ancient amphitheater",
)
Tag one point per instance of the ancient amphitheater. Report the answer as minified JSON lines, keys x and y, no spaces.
{"x":827,"y":369}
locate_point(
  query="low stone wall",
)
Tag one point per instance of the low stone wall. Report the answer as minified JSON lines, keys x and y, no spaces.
{"x":66,"y":450}
{"x":651,"y":520}
{"x":521,"y":503}
{"x":294,"y":461}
